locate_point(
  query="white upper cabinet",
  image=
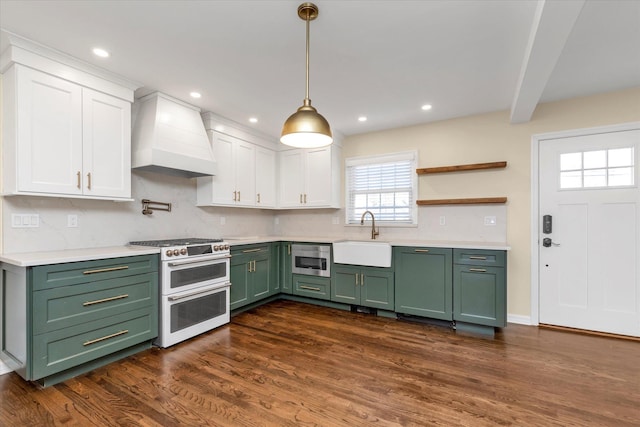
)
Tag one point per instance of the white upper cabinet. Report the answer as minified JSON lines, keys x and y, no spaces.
{"x":62,"y":138}
{"x":310,"y":178}
{"x":265,"y":178}
{"x":246,"y":169}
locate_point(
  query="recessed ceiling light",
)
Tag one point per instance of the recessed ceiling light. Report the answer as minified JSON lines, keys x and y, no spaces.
{"x":426,"y":107}
{"x":195,"y":95}
{"x":97,"y":51}
{"x":362,"y":119}
{"x":253,"y":120}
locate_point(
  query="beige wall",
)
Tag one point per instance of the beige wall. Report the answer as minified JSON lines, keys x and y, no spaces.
{"x":487,"y":138}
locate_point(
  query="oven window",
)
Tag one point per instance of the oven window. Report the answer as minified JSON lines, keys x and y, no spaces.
{"x":189,"y":276}
{"x":314,"y":263}
{"x":192,"y":312}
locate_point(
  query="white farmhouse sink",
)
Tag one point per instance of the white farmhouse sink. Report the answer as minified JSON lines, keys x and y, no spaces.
{"x":357,"y":252}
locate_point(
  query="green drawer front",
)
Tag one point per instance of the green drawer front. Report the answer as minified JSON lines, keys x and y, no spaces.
{"x":479,"y":257}
{"x":63,"y":349}
{"x":66,"y":306}
{"x":72,"y":273}
{"x":252,"y":250}
{"x":313,"y":287}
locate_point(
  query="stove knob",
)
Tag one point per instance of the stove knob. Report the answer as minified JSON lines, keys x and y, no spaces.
{"x":183,"y":251}
{"x":226,"y":247}
{"x":216,"y":248}
{"x":169,"y":253}
{"x":176,"y":252}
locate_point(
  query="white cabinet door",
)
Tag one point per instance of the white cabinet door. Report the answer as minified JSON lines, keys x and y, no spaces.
{"x":318,"y":177}
{"x":245,"y":173}
{"x":107,"y":145}
{"x":49,"y":133}
{"x":291,"y":178}
{"x":265,"y":177}
{"x":220,"y":188}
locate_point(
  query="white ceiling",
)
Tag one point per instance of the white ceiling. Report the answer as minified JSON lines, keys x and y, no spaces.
{"x":381,"y":59}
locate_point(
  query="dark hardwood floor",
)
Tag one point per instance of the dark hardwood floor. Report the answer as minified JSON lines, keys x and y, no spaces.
{"x":287,"y":363}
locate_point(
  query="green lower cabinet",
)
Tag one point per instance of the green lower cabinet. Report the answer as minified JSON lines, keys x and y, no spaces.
{"x":423,"y":281}
{"x":251,"y":275}
{"x":312,"y":286}
{"x":480,"y":288}
{"x":286,"y":279}
{"x":365,"y":286}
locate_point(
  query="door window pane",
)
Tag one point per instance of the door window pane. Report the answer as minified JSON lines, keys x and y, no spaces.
{"x":571,"y":179}
{"x":570,"y":161}
{"x":620,"y":176}
{"x":598,"y":169}
{"x":595,"y":159}
{"x":621,"y":157}
{"x":595,"y":178}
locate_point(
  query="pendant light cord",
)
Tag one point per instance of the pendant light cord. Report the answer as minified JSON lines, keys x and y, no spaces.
{"x":307,"y":62}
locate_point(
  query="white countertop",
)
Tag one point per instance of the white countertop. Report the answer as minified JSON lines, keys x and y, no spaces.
{"x":30,"y":259}
{"x":496,"y":246}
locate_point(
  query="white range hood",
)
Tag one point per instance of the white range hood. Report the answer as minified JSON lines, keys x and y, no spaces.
{"x":169,"y":137}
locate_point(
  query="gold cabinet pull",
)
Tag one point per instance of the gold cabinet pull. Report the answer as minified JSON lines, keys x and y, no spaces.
{"x":117,"y":334}
{"x":300,"y":198}
{"x":357,"y":279}
{"x":100,"y":301}
{"x":254,"y":265}
{"x":106,"y":270}
{"x":361,"y":279}
{"x":258,"y":197}
{"x":79,"y":175}
{"x":424,"y":251}
{"x":478,"y":270}
{"x":246,"y":251}
{"x":235,"y":195}
{"x":238,"y":196}
{"x":289,"y":249}
{"x":481,"y":258}
{"x":249,"y":266}
{"x":309,"y":288}
{"x":89,"y":181}
{"x":305,"y":198}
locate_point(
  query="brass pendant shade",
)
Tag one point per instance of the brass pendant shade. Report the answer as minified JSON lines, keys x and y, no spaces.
{"x":306,"y":128}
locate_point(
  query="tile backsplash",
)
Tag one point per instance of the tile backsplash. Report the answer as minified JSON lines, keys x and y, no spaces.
{"x":106,"y":223}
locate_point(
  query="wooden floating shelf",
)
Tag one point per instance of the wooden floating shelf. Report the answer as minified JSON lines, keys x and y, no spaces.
{"x":459,"y":168}
{"x":476,"y":201}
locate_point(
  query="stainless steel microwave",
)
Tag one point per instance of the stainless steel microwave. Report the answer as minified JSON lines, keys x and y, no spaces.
{"x":311,"y":260}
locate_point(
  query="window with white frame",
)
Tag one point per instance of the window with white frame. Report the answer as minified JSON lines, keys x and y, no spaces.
{"x":386,"y":185}
{"x":597,"y":169}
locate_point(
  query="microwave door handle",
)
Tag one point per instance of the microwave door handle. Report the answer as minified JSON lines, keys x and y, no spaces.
{"x":198,"y":261}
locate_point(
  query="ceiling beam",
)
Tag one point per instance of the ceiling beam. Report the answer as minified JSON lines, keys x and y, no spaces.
{"x":552,"y":25}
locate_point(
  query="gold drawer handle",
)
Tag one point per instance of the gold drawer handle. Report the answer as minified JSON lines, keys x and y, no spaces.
{"x":422,"y":250}
{"x":106,"y":270}
{"x":99,"y":301}
{"x":482,"y":258}
{"x":117,"y":334}
{"x":478,"y":270}
{"x":309,"y":288}
{"x":246,"y":251}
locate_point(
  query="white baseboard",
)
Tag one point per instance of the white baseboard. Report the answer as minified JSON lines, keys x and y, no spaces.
{"x":4,"y":369}
{"x":519,"y":319}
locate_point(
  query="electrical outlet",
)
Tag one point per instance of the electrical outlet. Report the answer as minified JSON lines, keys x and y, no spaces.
{"x":490,"y":220}
{"x":443,"y":220}
{"x":72,"y":221}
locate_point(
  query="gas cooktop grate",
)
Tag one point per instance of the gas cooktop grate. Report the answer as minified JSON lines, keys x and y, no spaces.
{"x":174,"y":242}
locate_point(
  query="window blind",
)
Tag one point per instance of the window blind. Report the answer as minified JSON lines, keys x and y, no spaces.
{"x":384,"y":185}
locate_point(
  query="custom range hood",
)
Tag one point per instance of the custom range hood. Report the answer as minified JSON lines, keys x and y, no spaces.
{"x":169,"y":137}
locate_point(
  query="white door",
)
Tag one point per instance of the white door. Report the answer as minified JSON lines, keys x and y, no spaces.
{"x":265,"y":177}
{"x":318,"y":177}
{"x":589,"y":276}
{"x":245,"y":159}
{"x":49,"y":133}
{"x":107,"y":145}
{"x":291,"y":178}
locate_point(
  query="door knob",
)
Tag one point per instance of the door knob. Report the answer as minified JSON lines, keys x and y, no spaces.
{"x":547,"y":242}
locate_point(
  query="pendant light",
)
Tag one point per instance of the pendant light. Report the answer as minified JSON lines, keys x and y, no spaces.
{"x":306,"y":128}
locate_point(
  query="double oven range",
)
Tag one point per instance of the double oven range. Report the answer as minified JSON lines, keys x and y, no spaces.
{"x":194,"y":287}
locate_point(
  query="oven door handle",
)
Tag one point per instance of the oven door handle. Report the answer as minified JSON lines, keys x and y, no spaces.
{"x":198,"y":261}
{"x":198,"y":292}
